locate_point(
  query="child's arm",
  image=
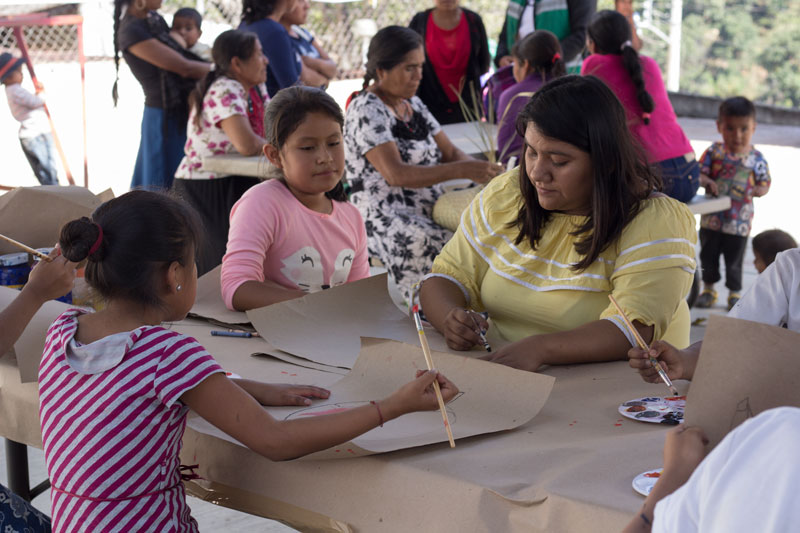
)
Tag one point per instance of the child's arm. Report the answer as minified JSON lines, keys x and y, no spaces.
{"x":47,"y":280}
{"x":709,"y":185}
{"x":27,"y":99}
{"x":253,"y":294}
{"x":281,"y":393}
{"x":231,"y":409}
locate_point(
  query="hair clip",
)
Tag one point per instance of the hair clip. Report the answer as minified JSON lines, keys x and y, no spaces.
{"x":626,"y":44}
{"x":556,"y":57}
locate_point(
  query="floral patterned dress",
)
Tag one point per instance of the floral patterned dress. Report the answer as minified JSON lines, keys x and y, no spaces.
{"x":225,"y":98}
{"x":400,"y":228}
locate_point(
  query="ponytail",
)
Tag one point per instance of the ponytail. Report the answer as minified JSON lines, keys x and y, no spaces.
{"x":227,"y":45}
{"x":611,"y":34}
{"x":630,"y":60}
{"x":542,"y":51}
{"x":117,"y":16}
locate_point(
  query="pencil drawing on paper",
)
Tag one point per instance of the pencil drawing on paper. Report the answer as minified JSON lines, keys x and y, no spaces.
{"x":742,"y":413}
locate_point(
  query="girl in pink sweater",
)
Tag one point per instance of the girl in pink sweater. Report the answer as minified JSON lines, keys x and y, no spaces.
{"x":296,"y":234}
{"x":637,"y":82}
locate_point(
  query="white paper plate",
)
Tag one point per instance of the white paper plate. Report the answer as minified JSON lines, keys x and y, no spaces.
{"x":668,"y":410}
{"x":644,"y":482}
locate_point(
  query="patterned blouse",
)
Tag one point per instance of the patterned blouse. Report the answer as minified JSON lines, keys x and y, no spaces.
{"x":225,"y":98}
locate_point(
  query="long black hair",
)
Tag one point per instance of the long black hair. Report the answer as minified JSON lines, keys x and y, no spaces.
{"x":611,"y":34}
{"x":118,"y":5}
{"x":227,"y":45}
{"x":582,"y":111}
{"x":255,"y":10}
{"x":388,"y":48}
{"x":542,"y":51}
{"x":289,"y":108}
{"x":132,"y":239}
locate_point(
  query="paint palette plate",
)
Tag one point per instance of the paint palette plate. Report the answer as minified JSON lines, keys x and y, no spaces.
{"x":655,"y":410}
{"x":231,"y":375}
{"x":644,"y":482}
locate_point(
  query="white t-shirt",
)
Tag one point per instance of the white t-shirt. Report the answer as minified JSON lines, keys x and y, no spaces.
{"x":748,"y":483}
{"x":775,"y":296}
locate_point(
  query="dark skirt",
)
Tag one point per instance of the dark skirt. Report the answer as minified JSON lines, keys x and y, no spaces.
{"x":158,"y":156}
{"x":213,"y":200}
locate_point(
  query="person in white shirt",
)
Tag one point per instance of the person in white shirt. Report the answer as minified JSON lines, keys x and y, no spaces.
{"x":773,"y":299}
{"x":749,"y":482}
{"x":34,"y":132}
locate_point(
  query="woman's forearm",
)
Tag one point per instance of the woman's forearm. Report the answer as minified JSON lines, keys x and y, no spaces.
{"x":437,"y":297}
{"x":597,"y":341}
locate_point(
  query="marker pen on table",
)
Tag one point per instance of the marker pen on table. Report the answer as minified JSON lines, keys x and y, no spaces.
{"x":245,"y":334}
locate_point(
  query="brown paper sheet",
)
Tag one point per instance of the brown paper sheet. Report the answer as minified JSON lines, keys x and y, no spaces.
{"x":744,"y":368}
{"x":338,"y":318}
{"x":34,"y":215}
{"x":383,"y":366}
{"x":30,"y":345}
{"x":208,"y":303}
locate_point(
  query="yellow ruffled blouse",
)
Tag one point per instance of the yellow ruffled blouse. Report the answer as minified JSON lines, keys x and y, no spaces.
{"x":649,"y":269}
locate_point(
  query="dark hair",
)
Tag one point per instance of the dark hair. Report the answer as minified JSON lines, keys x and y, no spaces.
{"x":290,"y":107}
{"x":255,"y":10}
{"x":769,"y":243}
{"x":189,"y":13}
{"x":611,"y":34}
{"x":143,"y":232}
{"x":227,"y":45}
{"x":582,"y":111}
{"x":118,"y":4}
{"x":737,"y":106}
{"x":542,"y":51}
{"x":388,"y":48}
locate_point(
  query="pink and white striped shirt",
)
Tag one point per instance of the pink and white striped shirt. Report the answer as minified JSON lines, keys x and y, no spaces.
{"x":111,"y":438}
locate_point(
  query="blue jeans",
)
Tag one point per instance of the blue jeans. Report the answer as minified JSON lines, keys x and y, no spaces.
{"x":158,"y":156}
{"x":681,"y":177}
{"x":41,"y":155}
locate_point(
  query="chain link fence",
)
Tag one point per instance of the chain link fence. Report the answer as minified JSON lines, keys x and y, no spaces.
{"x":46,"y":43}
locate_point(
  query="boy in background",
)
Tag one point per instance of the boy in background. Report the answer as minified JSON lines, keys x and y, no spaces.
{"x":768,"y":244}
{"x":34,"y":131}
{"x":186,"y":22}
{"x":730,"y":168}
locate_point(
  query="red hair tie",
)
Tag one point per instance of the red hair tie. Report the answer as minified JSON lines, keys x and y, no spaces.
{"x":556,"y":57}
{"x":96,"y":245}
{"x":646,"y":116}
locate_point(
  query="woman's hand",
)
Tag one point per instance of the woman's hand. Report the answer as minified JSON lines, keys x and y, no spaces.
{"x":418,"y":395}
{"x":282,"y":393}
{"x":678,"y":364}
{"x":521,"y":354}
{"x":480,"y":171}
{"x":461,"y":328}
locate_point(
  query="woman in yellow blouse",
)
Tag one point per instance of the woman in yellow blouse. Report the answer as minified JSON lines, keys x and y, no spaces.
{"x":542,"y":246}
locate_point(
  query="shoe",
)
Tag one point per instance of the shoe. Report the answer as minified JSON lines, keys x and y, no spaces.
{"x":732,"y":299}
{"x":706,"y":299}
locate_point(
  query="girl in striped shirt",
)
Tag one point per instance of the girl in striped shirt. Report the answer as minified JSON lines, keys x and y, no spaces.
{"x":115,"y":386}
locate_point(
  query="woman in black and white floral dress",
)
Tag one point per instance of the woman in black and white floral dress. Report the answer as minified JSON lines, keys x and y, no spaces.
{"x":396,"y":156}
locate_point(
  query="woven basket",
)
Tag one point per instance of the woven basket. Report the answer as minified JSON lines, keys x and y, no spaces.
{"x":448,"y":208}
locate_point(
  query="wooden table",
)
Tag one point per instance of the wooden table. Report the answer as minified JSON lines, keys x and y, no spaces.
{"x":464,"y":135}
{"x":702,"y":205}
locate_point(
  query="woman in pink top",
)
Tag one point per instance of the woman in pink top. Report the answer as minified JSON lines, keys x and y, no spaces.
{"x":296,"y":234}
{"x":637,"y":82}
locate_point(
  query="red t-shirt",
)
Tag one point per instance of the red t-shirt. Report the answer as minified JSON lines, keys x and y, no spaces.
{"x":448,"y":51}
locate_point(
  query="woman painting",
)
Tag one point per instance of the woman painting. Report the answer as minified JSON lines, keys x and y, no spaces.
{"x":542,"y":247}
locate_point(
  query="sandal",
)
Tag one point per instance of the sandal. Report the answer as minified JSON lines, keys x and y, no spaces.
{"x":706,"y":299}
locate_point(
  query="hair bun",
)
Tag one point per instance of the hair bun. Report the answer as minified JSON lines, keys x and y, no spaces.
{"x":78,"y":237}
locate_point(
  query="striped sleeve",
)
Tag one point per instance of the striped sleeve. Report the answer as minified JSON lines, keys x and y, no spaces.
{"x":655,"y":265}
{"x":183,"y":364}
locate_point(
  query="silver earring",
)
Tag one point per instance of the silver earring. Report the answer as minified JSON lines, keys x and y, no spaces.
{"x":178,"y":288}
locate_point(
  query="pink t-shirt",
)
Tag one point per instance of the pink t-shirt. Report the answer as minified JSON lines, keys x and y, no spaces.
{"x":112,"y":425}
{"x":663,"y":138}
{"x":274,"y":236}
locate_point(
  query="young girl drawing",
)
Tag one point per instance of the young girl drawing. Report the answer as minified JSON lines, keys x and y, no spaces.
{"x":115,"y":386}
{"x":296,"y":234}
